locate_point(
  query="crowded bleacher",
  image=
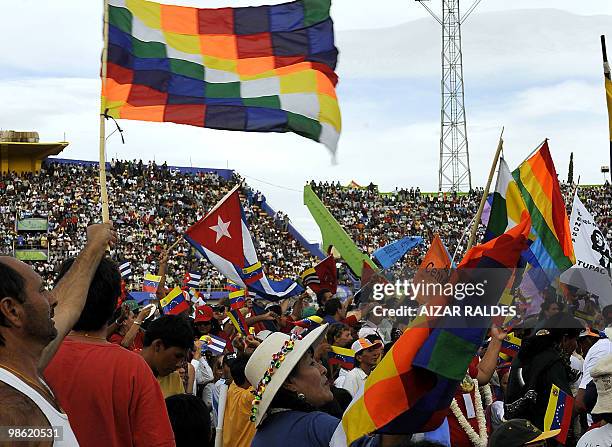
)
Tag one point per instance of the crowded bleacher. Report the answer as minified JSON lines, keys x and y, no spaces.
{"x":152,"y":205}
{"x":374,"y":219}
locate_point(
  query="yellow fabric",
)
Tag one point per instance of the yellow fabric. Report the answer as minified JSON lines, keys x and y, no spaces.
{"x":238,"y":430}
{"x":171,"y":384}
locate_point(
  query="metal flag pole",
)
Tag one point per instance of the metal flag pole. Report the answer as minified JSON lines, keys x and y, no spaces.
{"x":102,"y":177}
{"x":485,"y":192}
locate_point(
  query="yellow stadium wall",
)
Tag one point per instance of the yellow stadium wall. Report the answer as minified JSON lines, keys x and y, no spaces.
{"x":26,"y":157}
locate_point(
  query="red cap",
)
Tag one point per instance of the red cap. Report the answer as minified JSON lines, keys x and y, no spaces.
{"x":203,"y":314}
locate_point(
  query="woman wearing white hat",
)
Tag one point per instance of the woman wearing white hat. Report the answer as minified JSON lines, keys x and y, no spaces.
{"x":289,"y":387}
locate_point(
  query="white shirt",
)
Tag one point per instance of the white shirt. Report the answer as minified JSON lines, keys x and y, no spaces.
{"x":598,"y":437}
{"x":341,"y":376}
{"x":600,"y":349}
{"x":55,"y":418}
{"x":354,"y":381}
{"x":204,"y":374}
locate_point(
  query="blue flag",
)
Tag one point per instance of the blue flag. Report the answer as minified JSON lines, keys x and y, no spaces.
{"x":143,"y":297}
{"x":391,"y":253}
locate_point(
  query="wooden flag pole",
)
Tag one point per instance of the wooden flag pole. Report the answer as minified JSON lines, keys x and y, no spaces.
{"x":485,"y":192}
{"x":103,"y":190}
{"x":180,"y":238}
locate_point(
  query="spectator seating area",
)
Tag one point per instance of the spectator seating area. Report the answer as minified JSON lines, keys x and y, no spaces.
{"x":150,"y":205}
{"x":374,"y":219}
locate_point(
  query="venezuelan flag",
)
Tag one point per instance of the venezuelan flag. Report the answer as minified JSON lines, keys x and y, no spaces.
{"x":511,"y":345}
{"x":341,"y":356}
{"x":238,"y":321}
{"x":309,"y":322}
{"x":150,"y":283}
{"x":559,"y":413}
{"x":174,"y":303}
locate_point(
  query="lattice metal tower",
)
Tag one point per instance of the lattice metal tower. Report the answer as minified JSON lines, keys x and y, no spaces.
{"x":454,"y":172}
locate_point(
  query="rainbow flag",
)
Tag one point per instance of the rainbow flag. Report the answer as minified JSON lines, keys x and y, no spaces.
{"x":537,"y":181}
{"x":412,"y":387}
{"x":341,"y":356}
{"x":559,"y":413}
{"x":252,"y":69}
{"x":174,"y":303}
{"x":150,"y":283}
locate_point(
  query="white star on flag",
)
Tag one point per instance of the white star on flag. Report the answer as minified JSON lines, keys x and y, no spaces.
{"x":221,"y":229}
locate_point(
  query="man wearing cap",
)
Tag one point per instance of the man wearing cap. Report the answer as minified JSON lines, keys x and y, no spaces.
{"x":602,"y":376}
{"x":367,"y":354}
{"x":518,"y":433}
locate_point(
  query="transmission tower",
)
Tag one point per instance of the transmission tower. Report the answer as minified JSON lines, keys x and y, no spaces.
{"x":454,"y":172}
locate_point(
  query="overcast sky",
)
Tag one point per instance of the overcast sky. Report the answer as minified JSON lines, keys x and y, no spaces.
{"x":534,"y":70}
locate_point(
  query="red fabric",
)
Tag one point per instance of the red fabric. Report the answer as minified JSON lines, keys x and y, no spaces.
{"x":350,"y":321}
{"x":458,"y":437}
{"x":210,"y":231}
{"x":110,"y":395}
{"x":137,"y":344}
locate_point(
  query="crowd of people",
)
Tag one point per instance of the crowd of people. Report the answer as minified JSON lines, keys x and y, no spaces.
{"x":152,"y":205}
{"x":267,"y":373}
{"x":374,"y":219}
{"x":78,"y":354}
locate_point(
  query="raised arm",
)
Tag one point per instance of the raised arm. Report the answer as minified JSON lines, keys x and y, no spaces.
{"x":71,"y":291}
{"x":163,"y":270}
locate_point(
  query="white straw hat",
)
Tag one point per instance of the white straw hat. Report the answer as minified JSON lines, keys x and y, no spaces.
{"x":262,"y":358}
{"x":602,"y":376}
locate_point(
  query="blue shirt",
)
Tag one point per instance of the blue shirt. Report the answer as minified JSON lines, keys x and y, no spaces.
{"x":300,"y":429}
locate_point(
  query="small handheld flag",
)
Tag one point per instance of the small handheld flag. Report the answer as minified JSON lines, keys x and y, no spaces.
{"x":174,"y":303}
{"x":125,"y":268}
{"x":309,"y":322}
{"x":238,"y":321}
{"x":341,"y":356}
{"x":322,"y":276}
{"x":216,"y":345}
{"x":150,"y":283}
{"x":511,"y":345}
{"x":559,"y":413}
{"x":192,"y":280}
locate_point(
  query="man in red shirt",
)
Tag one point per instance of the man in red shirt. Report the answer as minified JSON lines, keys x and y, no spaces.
{"x":109,"y":393}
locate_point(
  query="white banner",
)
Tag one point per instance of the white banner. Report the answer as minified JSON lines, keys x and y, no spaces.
{"x":593,"y":258}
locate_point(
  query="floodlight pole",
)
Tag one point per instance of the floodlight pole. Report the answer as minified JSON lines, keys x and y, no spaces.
{"x":454,"y":171}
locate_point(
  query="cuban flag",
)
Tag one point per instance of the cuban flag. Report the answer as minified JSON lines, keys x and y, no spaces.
{"x":216,"y":345}
{"x":192,"y":280}
{"x":223,"y":237}
{"x":125,"y":268}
